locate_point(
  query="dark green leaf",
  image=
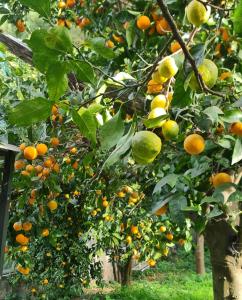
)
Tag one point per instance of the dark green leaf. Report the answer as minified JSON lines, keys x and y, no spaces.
{"x":170,"y":179}
{"x":58,"y":38}
{"x":213,"y":113}
{"x":237,"y":153}
{"x":84,"y":71}
{"x":181,"y":98}
{"x":152,"y":123}
{"x":29,"y":112}
{"x":99,"y":46}
{"x":197,"y":52}
{"x":41,"y":6}
{"x":214,"y":213}
{"x":130,"y":33}
{"x":237,"y":19}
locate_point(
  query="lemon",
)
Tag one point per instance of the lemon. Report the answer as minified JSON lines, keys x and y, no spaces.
{"x":158,"y":78}
{"x":170,"y":130}
{"x":167,"y":67}
{"x":158,"y":102}
{"x":197,"y":14}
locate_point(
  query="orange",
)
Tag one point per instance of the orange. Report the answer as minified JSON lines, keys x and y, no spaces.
{"x":162,"y":26}
{"x":45,"y":281}
{"x":33,"y":193}
{"x":236,"y":128}
{"x":118,"y":38}
{"x":75,"y":165}
{"x":143,"y":22}
{"x":181,"y":242}
{"x":134,"y":229}
{"x":20,"y":25}
{"x":27,"y":226}
{"x":85,"y":22}
{"x":45,"y":232}
{"x":221,"y":178}
{"x":22,"y":239}
{"x":161,"y":211}
{"x":121,"y":194}
{"x":17,"y":226}
{"x":41,"y":149}
{"x":25,"y":173}
{"x":169,"y":236}
{"x":194,"y":144}
{"x":153,"y":87}
{"x":94,"y":213}
{"x":30,"y":153}
{"x":31,"y":201}
{"x":163,"y":228}
{"x":61,"y":22}
{"x":67,"y":160}
{"x":70,"y":3}
{"x":19,"y":164}
{"x":52,"y":205}
{"x":110,"y":44}
{"x":155,"y":14}
{"x":151,"y":262}
{"x":46,"y":172}
{"x":22,"y":147}
{"x":55,"y":142}
{"x":175,"y":46}
{"x":225,"y":75}
{"x":56,"y":168}
{"x":105,"y":203}
{"x":23,"y":271}
{"x":48,"y":162}
{"x":128,"y":239}
{"x":224,"y":34}
{"x":73,"y":150}
{"x":30,"y":168}
{"x":54,"y":110}
{"x":38,"y":169}
{"x":24,"y":248}
{"x":61,"y":5}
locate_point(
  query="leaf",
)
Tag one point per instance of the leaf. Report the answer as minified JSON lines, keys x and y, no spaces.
{"x":237,"y":153}
{"x":232,"y":116}
{"x":86,"y":123}
{"x":237,"y":19}
{"x":197,"y":52}
{"x":41,"y":6}
{"x":57,"y":81}
{"x":122,"y":147}
{"x":176,"y":206}
{"x":99,"y":46}
{"x":224,"y":143}
{"x":59,"y":38}
{"x":29,"y":112}
{"x":209,"y":200}
{"x":112,"y":131}
{"x":130,"y":33}
{"x":181,"y":97}
{"x":213,"y":113}
{"x":235,"y":197}
{"x":170,"y":179}
{"x":152,"y":123}
{"x":84,"y":71}
{"x":214,"y":213}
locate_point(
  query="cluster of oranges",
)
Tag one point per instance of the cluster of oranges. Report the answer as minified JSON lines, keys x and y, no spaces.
{"x":20,"y":25}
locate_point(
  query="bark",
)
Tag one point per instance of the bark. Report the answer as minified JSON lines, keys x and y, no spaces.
{"x":125,"y":273}
{"x":226,"y":260}
{"x":200,"y":264}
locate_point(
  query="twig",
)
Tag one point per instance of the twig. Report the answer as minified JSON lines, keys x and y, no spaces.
{"x":215,"y":6}
{"x":186,"y":52}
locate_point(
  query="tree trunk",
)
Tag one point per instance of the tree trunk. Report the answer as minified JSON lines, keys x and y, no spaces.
{"x":226,"y":260}
{"x":200,"y":264}
{"x":125,"y":273}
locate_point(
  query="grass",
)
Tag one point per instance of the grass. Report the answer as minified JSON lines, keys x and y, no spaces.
{"x":174,"y":279}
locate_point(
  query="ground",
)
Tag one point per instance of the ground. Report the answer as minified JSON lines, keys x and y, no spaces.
{"x":174,"y":279}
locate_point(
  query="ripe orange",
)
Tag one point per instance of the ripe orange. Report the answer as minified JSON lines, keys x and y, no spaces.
{"x":61,"y":5}
{"x":27,"y":226}
{"x":153,"y":87}
{"x":45,"y":281}
{"x":22,"y":147}
{"x":161,"y":211}
{"x":70,"y":3}
{"x":143,"y":22}
{"x":52,"y":205}
{"x":41,"y":149}
{"x":54,"y":110}
{"x":20,"y":25}
{"x":134,"y":229}
{"x":22,"y":239}
{"x":56,"y":168}
{"x":33,"y":193}
{"x":31,"y":201}
{"x":24,"y":248}
{"x":38,"y":169}
{"x":110,"y":44}
{"x":169,"y":236}
{"x":55,"y":142}
{"x":162,"y":26}
{"x":25,"y":173}
{"x":17,"y":226}
{"x":85,"y":22}
{"x":163,"y":228}
{"x":30,"y":168}
{"x":75,"y":165}
{"x":181,"y":242}
{"x":121,"y":194}
{"x":221,"y":178}
{"x":151,"y":262}
{"x":236,"y":128}
{"x":175,"y":46}
{"x":45,"y":232}
{"x":224,"y":34}
{"x":19,"y":164}
{"x":73,"y":150}
{"x":105,"y":203}
{"x":194,"y":144}
{"x":118,"y":38}
{"x":23,"y":271}
{"x":30,"y":153}
{"x":48,"y":163}
{"x":61,"y":22}
{"x":46,"y":172}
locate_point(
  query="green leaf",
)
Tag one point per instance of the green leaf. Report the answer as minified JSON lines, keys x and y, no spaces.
{"x":112,"y":131}
{"x":41,"y":6}
{"x":214,"y":213}
{"x":59,"y":38}
{"x":209,"y":200}
{"x":130,"y":33}
{"x":57,"y":81}
{"x":176,"y":206}
{"x":86,"y":123}
{"x":232,"y":116}
{"x":237,"y":19}
{"x":235,"y":197}
{"x":197,"y":52}
{"x":170,"y":179}
{"x":29,"y":112}
{"x":122,"y":147}
{"x":213,"y":113}
{"x":237,"y":153}
{"x":99,"y":46}
{"x":84,"y":71}
{"x":152,"y":123}
{"x":181,"y":97}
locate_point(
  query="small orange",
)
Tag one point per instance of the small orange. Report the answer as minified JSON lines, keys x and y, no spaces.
{"x":194,"y":144}
{"x":38,"y":169}
{"x":55,"y":142}
{"x":52,"y":205}
{"x":221,"y":178}
{"x":30,"y":153}
{"x":20,"y":25}
{"x":236,"y":128}
{"x":175,"y":46}
{"x":181,"y":242}
{"x":30,"y":168}
{"x":169,"y":236}
{"x":48,"y":163}
{"x":75,"y":165}
{"x":151,"y":262}
{"x":128,"y":239}
{"x":31,"y":201}
{"x":41,"y":149}
{"x":45,"y":232}
{"x":118,"y":38}
{"x":73,"y":150}
{"x":17,"y":226}
{"x":70,"y":3}
{"x":105,"y":203}
{"x":46,"y":171}
{"x":161,"y":211}
{"x":153,"y":87}
{"x":143,"y":22}
{"x":45,"y":281}
{"x":23,"y":271}
{"x":162,"y":26}
{"x":22,"y":239}
{"x":61,"y":5}
{"x":27,"y":226}
{"x":33,"y":193}
{"x":22,"y":146}
{"x":25,"y":173}
{"x":54,"y":110}
{"x":19,"y":164}
{"x":134,"y":229}
{"x":162,"y":228}
{"x":67,"y":160}
{"x":56,"y":168}
{"x":85,"y":22}
{"x":110,"y":44}
{"x":61,"y":22}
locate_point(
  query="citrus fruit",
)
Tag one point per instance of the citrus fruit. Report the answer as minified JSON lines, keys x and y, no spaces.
{"x":161,"y":211}
{"x":55,"y":142}
{"x":105,"y":203}
{"x":30,"y":168}
{"x":170,"y":130}
{"x":45,"y":232}
{"x":27,"y":226}
{"x":236,"y":128}
{"x":197,"y":14}
{"x":20,"y":25}
{"x":158,"y":78}
{"x":52,"y":205}
{"x":209,"y":72}
{"x":167,"y":67}
{"x":159,"y":101}
{"x":155,"y":113}
{"x":221,"y":178}
{"x":30,"y":153}
{"x":146,"y":146}
{"x":61,"y":5}
{"x":163,"y":228}
{"x":169,"y":236}
{"x":19,"y":164}
{"x":134,"y":229}
{"x":128,"y":239}
{"x":143,"y":22}
{"x":151,"y":262}
{"x":22,"y":147}
{"x":41,"y":149}
{"x":110,"y":44}
{"x":194,"y":144}
{"x":175,"y":46}
{"x":17,"y":226}
{"x":22,"y":239}
{"x":70,"y":3}
{"x":162,"y":26}
{"x":154,"y":87}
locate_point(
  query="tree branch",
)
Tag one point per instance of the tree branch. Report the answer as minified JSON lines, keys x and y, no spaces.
{"x":186,"y":52}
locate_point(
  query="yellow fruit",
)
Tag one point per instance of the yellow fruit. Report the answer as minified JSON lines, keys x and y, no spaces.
{"x":22,"y":147}
{"x":236,"y":128}
{"x":221,"y":178}
{"x":25,"y":173}
{"x":105,"y":203}
{"x":94,"y":213}
{"x":155,"y":113}
{"x":167,"y":67}
{"x":158,"y":78}
{"x":27,"y":226}
{"x":170,"y":130}
{"x":75,"y":165}
{"x":209,"y":72}
{"x":197,"y":14}
{"x":17,"y":226}
{"x":24,"y":248}
{"x":41,"y":149}
{"x":45,"y":281}
{"x":118,"y":38}
{"x":165,"y":251}
{"x":194,"y":144}
{"x":19,"y":164}
{"x":225,"y":75}
{"x":121,"y":194}
{"x":163,"y":228}
{"x":169,"y":236}
{"x":20,"y":25}
{"x":22,"y":239}
{"x":146,"y":146}
{"x":134,"y":229}
{"x":55,"y":142}
{"x":128,"y":239}
{"x":52,"y":205}
{"x":151,"y":262}
{"x":73,"y":150}
{"x":56,"y":168}
{"x":154,"y":87}
{"x":30,"y":153}
{"x":143,"y":22}
{"x":158,"y":102}
{"x":110,"y":44}
{"x":45,"y":232}
{"x":23,"y":271}
{"x":70,"y":3}
{"x":38,"y":169}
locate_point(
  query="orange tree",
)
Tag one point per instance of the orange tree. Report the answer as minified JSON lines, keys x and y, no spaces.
{"x":129,"y":52}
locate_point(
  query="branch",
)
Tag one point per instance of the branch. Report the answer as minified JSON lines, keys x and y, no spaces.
{"x":186,"y":52}
{"x":205,"y":3}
